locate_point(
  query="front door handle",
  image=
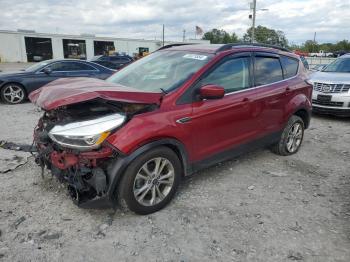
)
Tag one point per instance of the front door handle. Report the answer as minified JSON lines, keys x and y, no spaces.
{"x":183,"y":120}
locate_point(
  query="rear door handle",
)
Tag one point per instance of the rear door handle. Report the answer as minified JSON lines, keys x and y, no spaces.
{"x":245,"y":99}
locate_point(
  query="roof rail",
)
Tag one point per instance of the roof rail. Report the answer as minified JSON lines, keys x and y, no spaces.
{"x":177,"y":44}
{"x":232,"y":45}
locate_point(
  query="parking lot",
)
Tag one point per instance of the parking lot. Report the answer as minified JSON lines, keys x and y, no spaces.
{"x":258,"y":207}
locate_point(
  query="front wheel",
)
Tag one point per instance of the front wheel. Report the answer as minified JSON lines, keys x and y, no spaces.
{"x":150,"y":181}
{"x":291,"y":138}
{"x":13,"y":94}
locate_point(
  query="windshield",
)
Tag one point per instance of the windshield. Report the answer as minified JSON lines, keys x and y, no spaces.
{"x":37,"y":66}
{"x":163,"y":70}
{"x":341,"y":65}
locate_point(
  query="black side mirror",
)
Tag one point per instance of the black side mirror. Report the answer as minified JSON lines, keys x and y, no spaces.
{"x":47,"y":70}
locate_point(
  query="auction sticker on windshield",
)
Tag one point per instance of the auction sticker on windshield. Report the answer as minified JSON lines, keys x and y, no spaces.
{"x":194,"y":56}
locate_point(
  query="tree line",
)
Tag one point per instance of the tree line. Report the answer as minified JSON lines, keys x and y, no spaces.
{"x":275,"y":37}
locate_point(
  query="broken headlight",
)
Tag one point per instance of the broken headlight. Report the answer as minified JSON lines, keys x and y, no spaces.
{"x":87,"y":134}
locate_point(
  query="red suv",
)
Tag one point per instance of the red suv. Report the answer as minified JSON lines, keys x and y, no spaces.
{"x":133,"y":137}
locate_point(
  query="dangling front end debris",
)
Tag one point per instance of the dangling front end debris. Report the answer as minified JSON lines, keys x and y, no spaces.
{"x":71,"y":137}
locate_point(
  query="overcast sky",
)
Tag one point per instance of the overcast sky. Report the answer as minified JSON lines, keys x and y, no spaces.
{"x":299,"y":19}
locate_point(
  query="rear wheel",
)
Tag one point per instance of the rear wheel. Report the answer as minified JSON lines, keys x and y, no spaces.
{"x":13,"y":93}
{"x":150,"y":181}
{"x":291,"y":137}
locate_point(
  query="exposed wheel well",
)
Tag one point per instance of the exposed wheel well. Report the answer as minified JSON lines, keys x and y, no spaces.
{"x":304,"y":115}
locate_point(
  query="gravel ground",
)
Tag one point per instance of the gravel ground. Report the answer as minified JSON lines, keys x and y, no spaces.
{"x":258,"y":207}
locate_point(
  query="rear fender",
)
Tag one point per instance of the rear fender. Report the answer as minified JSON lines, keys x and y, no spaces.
{"x":299,"y":102}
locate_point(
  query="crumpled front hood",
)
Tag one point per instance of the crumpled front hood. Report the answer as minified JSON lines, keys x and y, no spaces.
{"x":67,"y":91}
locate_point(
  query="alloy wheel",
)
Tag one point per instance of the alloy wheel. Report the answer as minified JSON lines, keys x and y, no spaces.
{"x":13,"y":94}
{"x":295,"y":137}
{"x":154,"y":181}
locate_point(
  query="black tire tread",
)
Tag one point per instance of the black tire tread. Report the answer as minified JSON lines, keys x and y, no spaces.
{"x":125,"y":196}
{"x":280,"y":147}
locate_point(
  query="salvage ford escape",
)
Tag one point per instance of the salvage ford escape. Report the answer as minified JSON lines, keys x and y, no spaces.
{"x":131,"y":138}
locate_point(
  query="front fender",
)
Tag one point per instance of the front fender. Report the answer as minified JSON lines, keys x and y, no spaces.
{"x":117,"y":168}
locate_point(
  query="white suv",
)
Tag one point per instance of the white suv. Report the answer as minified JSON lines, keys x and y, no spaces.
{"x":331,"y":93}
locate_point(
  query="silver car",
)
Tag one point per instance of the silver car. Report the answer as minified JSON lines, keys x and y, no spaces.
{"x":331,"y":93}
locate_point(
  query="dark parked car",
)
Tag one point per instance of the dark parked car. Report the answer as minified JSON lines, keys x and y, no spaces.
{"x":133,"y":137}
{"x":115,"y":62}
{"x":16,"y":86}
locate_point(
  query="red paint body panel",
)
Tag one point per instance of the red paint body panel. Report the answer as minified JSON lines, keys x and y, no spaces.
{"x":67,"y":91}
{"x":154,"y":125}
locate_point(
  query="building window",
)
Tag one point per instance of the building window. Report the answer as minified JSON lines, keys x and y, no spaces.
{"x":75,"y":49}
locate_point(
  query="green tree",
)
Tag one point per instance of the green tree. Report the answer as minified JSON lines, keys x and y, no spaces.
{"x":310,"y":46}
{"x":267,"y":36}
{"x":314,"y":47}
{"x":343,"y":45}
{"x":217,"y":36}
{"x":293,"y":46}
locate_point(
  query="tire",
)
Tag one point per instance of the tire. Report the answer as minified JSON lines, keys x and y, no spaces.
{"x":13,"y":93}
{"x":286,"y":146}
{"x":140,"y":181}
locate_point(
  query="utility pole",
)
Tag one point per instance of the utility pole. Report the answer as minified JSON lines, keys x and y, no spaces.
{"x":184,"y":35}
{"x":253,"y":27}
{"x":314,"y":43}
{"x":163,"y":35}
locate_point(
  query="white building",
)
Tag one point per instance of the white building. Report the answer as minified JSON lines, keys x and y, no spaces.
{"x":29,"y":46}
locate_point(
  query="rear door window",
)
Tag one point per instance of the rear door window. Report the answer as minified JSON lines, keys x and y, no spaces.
{"x":290,"y":66}
{"x":70,"y":66}
{"x":267,"y":70}
{"x":76,"y":66}
{"x":57,"y":67}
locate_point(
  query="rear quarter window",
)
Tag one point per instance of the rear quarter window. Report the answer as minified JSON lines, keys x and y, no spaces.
{"x":290,"y":66}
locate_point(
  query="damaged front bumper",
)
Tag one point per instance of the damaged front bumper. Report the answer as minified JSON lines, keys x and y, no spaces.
{"x":87,"y":174}
{"x":72,"y":142}
{"x":64,"y":146}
